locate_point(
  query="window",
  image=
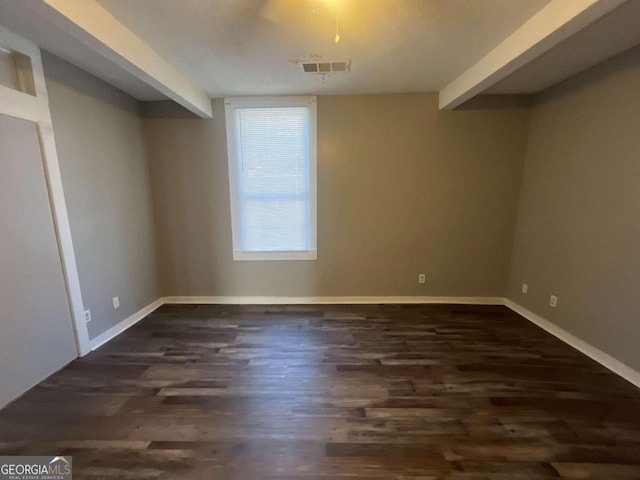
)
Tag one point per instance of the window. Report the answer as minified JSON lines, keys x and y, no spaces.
{"x":271,"y":143}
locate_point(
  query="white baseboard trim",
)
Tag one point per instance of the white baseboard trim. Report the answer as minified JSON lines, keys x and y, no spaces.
{"x":245,"y":300}
{"x":589,"y":350}
{"x":604,"y":359}
{"x":124,"y":324}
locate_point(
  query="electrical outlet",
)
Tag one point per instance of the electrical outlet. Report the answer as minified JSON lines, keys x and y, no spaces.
{"x":422,"y":278}
{"x":553,"y":301}
{"x":87,"y":316}
{"x":116,"y":302}
{"x":525,"y":288}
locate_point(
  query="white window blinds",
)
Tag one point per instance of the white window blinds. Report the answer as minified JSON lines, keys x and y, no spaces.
{"x":272,"y":177}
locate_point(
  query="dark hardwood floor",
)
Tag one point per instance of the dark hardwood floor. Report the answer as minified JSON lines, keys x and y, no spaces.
{"x":340,"y":392}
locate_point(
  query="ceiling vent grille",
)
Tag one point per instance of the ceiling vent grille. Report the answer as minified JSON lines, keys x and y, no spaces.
{"x":342,"y":66}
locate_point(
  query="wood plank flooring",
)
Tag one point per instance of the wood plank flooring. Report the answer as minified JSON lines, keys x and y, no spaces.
{"x":332,"y":392}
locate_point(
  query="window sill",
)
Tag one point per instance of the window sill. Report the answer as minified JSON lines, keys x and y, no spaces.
{"x":277,"y":256}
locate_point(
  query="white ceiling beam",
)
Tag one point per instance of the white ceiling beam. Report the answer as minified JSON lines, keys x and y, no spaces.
{"x":96,"y":27}
{"x":556,"y":22}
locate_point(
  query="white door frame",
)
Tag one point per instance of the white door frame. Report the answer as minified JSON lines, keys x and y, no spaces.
{"x":36,"y":109}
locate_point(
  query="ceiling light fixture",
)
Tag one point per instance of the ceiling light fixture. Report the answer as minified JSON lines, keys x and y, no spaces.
{"x":337,"y":39}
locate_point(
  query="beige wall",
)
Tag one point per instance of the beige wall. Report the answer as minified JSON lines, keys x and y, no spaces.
{"x":36,"y":333}
{"x":106,"y":184}
{"x":402,"y":189}
{"x":578,"y":230}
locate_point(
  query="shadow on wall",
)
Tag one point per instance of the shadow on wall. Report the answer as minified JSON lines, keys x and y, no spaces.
{"x":497,"y":102}
{"x":625,"y":61}
{"x":83,"y":82}
{"x":164,"y":109}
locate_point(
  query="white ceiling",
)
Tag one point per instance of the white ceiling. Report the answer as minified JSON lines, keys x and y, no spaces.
{"x":245,"y":47}
{"x":249,"y":47}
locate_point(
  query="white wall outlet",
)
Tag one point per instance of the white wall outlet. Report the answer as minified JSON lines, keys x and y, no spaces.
{"x":553,"y":301}
{"x":422,"y":278}
{"x":87,"y":316}
{"x":116,"y":302}
{"x":525,"y":288}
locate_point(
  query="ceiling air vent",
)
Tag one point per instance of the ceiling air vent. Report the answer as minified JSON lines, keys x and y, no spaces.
{"x":326,"y":67}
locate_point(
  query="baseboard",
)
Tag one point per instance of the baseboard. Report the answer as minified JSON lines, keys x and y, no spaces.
{"x":589,"y":350}
{"x":606,"y":360}
{"x":124,"y":324}
{"x":246,"y":300}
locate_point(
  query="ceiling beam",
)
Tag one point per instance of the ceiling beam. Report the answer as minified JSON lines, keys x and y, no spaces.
{"x":97,"y":28}
{"x":553,"y":24}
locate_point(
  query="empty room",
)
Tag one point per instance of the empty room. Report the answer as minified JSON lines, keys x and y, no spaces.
{"x":320,"y":239}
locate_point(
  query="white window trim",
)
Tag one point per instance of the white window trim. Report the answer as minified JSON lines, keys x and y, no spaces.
{"x":265,"y":102}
